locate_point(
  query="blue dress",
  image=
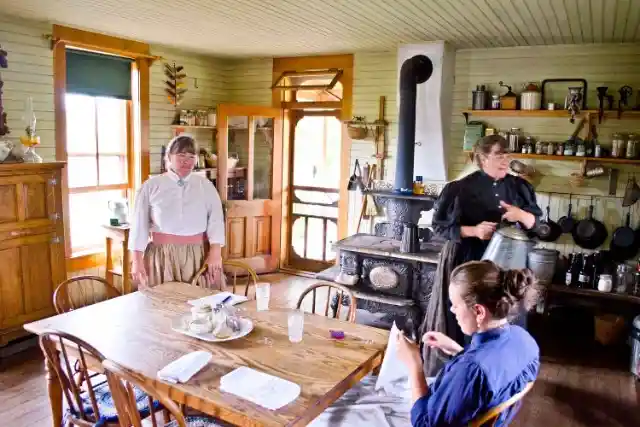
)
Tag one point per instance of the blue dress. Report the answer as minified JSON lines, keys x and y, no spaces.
{"x":496,"y":365}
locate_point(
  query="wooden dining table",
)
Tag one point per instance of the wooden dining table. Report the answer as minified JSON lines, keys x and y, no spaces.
{"x":135,"y":331}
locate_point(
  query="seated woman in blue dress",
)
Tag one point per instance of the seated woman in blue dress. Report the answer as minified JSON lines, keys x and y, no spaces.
{"x":498,"y":363}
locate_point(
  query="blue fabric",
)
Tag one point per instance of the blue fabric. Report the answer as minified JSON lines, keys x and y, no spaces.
{"x":496,"y":365}
{"x":107,"y":408}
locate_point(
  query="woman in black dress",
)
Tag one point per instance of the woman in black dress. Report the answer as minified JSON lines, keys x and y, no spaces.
{"x":467,"y":213}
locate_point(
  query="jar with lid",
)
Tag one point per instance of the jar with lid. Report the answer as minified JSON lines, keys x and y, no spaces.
{"x":632,"y":146}
{"x":540,"y":147}
{"x":514,"y":140}
{"x":559,"y":149}
{"x":605,"y":283}
{"x":617,"y":145}
{"x":550,"y":148}
{"x":495,"y":102}
{"x":528,"y":146}
{"x":580,"y":148}
{"x":569,"y":148}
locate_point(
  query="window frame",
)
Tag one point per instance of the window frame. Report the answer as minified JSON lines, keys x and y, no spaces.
{"x":126,"y":187}
{"x":138,"y":142}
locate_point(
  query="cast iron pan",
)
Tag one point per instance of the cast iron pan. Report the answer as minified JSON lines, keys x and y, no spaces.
{"x":548,"y":230}
{"x":589,"y":233}
{"x":567,"y":222}
{"x":624,"y":243}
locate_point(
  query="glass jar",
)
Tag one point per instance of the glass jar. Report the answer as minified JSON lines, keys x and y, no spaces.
{"x":495,"y":102}
{"x":540,"y":148}
{"x":569,"y":148}
{"x":632,"y":146}
{"x":580,"y":149}
{"x":559,"y":149}
{"x":618,"y":148}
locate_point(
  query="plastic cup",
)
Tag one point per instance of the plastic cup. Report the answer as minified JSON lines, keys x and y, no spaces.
{"x":263,"y":291}
{"x":296,"y":325}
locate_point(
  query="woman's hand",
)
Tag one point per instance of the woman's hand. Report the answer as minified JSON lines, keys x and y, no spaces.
{"x":139,"y":271}
{"x":515,"y":214}
{"x":214,"y":264}
{"x":408,"y":352}
{"x":442,"y":342}
{"x":485,"y":230}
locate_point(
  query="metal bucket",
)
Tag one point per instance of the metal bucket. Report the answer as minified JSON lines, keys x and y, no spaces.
{"x":509,"y":248}
{"x":543,"y":264}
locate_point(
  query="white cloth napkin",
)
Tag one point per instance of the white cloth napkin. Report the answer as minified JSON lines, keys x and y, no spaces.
{"x":392,"y":368}
{"x":262,"y":389}
{"x":216,"y":299}
{"x":182,"y":369}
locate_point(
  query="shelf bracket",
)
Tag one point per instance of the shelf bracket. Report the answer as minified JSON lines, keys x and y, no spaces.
{"x":466,"y":118}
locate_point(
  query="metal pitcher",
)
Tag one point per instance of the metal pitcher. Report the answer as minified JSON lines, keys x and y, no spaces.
{"x":509,"y":247}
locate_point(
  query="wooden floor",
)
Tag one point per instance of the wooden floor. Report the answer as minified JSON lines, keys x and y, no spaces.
{"x":577,"y":386}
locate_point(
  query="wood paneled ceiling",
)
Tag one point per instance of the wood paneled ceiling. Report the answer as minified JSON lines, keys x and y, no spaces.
{"x":294,"y":27}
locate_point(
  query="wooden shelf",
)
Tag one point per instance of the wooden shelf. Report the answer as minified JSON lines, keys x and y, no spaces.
{"x":609,"y":160}
{"x":563,"y":289}
{"x":608,"y":114}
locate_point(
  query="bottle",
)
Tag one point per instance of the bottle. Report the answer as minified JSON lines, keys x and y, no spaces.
{"x":581,"y":149}
{"x":597,"y":149}
{"x":574,"y":270}
{"x":418,"y":186}
{"x":568,"y":277}
{"x":584,"y":276}
{"x":569,"y":149}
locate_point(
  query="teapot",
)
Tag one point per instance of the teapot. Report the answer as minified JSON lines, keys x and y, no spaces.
{"x":118,"y":210}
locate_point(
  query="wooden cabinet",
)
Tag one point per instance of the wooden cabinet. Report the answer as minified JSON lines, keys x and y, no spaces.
{"x":32,"y":260}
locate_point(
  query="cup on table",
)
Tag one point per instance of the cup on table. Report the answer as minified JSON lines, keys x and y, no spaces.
{"x":296,"y":325}
{"x":263,"y":291}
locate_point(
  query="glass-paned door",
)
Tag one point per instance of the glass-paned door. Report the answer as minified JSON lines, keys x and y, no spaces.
{"x":314,"y":190}
{"x":249,"y":154}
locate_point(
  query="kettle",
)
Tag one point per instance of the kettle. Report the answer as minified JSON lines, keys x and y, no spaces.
{"x":118,"y":210}
{"x":509,"y":247}
{"x":410,"y":240}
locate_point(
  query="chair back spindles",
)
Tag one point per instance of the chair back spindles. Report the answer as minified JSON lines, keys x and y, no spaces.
{"x":341,"y":291}
{"x":233,"y":271}
{"x":63,"y":367}
{"x":122,"y":383}
{"x":82,"y":291}
{"x":493,"y":414}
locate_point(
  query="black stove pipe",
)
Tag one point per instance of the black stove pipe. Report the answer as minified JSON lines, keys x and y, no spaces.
{"x":414,"y":71}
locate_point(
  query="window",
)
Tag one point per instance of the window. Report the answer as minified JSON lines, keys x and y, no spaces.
{"x":97,"y":145}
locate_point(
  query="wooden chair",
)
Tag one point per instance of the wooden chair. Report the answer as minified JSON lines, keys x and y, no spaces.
{"x":233,"y":270}
{"x":340,"y":291}
{"x":123,"y":384}
{"x":490,"y":417}
{"x":88,"y":405}
{"x":82,"y":291}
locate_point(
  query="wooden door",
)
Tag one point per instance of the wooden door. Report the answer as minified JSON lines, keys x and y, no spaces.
{"x":249,"y":149}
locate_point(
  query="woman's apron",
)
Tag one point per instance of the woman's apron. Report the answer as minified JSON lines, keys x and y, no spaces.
{"x":171,"y":258}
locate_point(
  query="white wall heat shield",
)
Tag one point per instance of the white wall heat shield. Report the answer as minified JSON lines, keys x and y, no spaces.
{"x":433,"y":109}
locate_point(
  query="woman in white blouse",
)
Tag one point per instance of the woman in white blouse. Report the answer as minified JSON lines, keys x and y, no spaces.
{"x":182,"y":214}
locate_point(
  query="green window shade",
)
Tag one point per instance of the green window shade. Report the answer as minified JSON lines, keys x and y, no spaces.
{"x":94,"y":74}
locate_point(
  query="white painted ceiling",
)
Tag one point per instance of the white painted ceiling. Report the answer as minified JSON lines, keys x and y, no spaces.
{"x":294,"y":27}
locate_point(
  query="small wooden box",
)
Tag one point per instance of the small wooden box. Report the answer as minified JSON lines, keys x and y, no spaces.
{"x":508,"y":102}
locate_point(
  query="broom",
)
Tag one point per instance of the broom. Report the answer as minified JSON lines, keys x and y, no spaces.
{"x":371,"y":209}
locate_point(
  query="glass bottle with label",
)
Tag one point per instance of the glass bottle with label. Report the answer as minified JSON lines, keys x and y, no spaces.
{"x":584,"y":276}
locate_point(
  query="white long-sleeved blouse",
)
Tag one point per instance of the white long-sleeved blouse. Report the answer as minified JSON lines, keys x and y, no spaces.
{"x":184,"y":207}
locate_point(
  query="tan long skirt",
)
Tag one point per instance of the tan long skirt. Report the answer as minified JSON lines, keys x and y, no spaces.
{"x":176,"y":263}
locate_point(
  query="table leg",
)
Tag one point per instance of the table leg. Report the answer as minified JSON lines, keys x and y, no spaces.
{"x":55,"y":391}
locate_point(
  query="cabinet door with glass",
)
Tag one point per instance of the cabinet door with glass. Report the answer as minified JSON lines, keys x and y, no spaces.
{"x":249,"y":150}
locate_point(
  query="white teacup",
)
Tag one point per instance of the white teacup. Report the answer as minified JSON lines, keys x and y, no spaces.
{"x":201,"y":312}
{"x":200,"y":326}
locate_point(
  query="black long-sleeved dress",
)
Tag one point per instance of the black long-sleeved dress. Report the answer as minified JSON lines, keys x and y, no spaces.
{"x":468,"y":202}
{"x":474,"y":199}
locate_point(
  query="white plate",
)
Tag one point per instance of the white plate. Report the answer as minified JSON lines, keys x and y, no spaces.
{"x":181,"y":324}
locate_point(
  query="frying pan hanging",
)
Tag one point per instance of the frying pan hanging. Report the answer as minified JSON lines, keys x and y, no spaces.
{"x":355,"y":181}
{"x":624,"y":243}
{"x":589,"y":233}
{"x":548,"y":230}
{"x":567,"y":222}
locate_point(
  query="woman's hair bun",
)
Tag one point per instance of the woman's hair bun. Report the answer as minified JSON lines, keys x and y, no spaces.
{"x":521,"y":286}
